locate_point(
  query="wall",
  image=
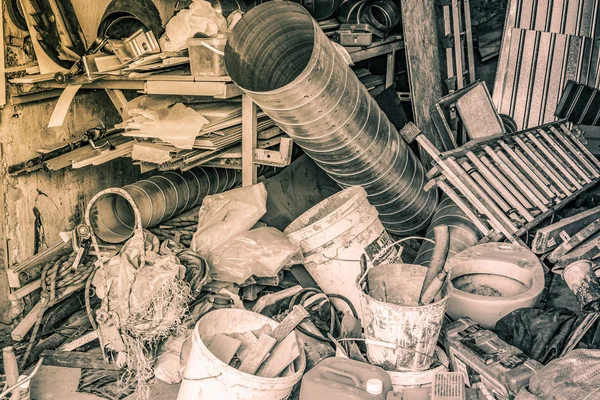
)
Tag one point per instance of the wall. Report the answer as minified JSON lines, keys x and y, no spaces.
{"x":60,"y":196}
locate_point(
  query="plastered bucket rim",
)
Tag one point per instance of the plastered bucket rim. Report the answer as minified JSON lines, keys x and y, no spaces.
{"x":344,"y":201}
{"x":395,"y":306}
{"x":249,"y":378}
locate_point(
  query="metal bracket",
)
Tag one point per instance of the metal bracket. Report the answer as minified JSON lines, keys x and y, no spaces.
{"x":275,"y":158}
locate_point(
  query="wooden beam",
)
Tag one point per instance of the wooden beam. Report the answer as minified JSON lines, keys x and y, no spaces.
{"x":257,"y":354}
{"x":2,"y":66}
{"x":119,"y":101}
{"x":71,"y":359}
{"x":249,"y":140}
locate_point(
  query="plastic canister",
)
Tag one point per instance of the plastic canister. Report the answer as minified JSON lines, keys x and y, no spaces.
{"x":206,"y":55}
{"x":343,"y":379}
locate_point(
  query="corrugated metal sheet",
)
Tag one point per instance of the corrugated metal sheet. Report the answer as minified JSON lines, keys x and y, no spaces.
{"x":569,"y":17}
{"x":538,"y":66}
{"x":545,"y":43}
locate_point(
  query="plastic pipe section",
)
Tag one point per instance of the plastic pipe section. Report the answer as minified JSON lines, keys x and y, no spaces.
{"x":158,"y":199}
{"x":282,"y":60}
{"x":463,"y":233}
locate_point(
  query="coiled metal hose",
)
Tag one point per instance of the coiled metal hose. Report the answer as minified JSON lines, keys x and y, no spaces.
{"x":158,"y":198}
{"x":278,"y":55}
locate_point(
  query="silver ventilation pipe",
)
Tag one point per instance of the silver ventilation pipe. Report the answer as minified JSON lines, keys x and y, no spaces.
{"x":158,"y":198}
{"x":279,"y":57}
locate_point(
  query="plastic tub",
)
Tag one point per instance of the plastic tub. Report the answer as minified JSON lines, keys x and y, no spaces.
{"x":206,"y":55}
{"x":207,"y":377}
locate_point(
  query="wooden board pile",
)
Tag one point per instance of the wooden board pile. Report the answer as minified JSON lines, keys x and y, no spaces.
{"x":267,"y":352}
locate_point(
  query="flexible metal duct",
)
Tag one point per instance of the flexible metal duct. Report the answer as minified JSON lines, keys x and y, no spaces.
{"x":278,"y":55}
{"x":158,"y":199}
{"x":463,"y":233}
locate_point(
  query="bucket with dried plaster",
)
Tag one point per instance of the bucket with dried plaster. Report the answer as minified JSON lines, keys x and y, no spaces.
{"x":413,"y":379}
{"x":582,"y":281}
{"x":207,"y":377}
{"x":334,"y":234}
{"x":401,"y":334}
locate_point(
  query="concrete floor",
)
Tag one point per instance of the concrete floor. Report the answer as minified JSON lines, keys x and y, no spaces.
{"x":59,"y":383}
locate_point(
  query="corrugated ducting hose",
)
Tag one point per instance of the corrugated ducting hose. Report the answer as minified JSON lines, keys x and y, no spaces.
{"x":463,"y":233}
{"x":158,"y":198}
{"x":278,"y":55}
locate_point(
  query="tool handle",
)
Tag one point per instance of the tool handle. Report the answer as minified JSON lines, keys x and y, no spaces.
{"x":433,"y":288}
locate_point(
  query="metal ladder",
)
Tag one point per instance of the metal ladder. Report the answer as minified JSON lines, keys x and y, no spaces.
{"x":512,"y":182}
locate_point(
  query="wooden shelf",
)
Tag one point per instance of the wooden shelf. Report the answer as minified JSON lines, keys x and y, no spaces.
{"x":172,"y":83}
{"x":386,"y":46}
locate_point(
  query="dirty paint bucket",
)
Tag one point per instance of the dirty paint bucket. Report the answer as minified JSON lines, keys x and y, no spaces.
{"x":334,"y":234}
{"x":582,"y":281}
{"x":392,"y":315}
{"x":207,"y":377}
{"x":413,"y":379}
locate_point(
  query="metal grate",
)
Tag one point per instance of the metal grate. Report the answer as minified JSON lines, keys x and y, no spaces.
{"x":448,"y":386}
{"x":513,"y":181}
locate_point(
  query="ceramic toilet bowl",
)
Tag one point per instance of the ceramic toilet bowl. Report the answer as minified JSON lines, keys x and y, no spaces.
{"x":490,"y":280}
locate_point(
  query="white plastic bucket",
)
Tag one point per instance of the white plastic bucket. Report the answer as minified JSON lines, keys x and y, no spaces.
{"x":207,"y":377}
{"x":413,"y":379}
{"x":391,"y":315}
{"x":334,"y":234}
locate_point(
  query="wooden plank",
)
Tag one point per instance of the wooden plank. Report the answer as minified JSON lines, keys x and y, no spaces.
{"x":63,"y":105}
{"x":586,"y":251}
{"x":458,"y":44}
{"x":2,"y":66}
{"x":25,"y":290}
{"x":377,"y":49}
{"x":119,"y":101}
{"x":249,"y":139}
{"x":281,"y":356}
{"x":551,"y":236}
{"x":574,"y":241}
{"x":257,"y":354}
{"x":289,"y":323}
{"x":390,"y":69}
{"x":80,"y":341}
{"x":469,"y":37}
{"x":420,"y":25}
{"x":71,"y":359}
{"x":224,"y":347}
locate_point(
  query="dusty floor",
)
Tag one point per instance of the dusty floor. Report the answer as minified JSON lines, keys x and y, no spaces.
{"x":58,"y":383}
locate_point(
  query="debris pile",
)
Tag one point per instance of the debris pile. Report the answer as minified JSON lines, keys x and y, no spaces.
{"x":453,"y":257}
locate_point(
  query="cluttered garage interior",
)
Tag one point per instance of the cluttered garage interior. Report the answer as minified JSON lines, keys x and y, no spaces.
{"x":305,"y":199}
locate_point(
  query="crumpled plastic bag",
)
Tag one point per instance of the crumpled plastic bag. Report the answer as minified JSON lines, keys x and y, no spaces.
{"x":261,"y":252}
{"x":169,"y":364}
{"x":178,"y":125}
{"x":199,"y":18}
{"x":227,"y":214}
{"x":136,"y":274}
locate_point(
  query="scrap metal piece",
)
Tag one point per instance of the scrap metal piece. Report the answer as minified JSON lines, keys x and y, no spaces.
{"x":291,"y":70}
{"x":580,"y":104}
